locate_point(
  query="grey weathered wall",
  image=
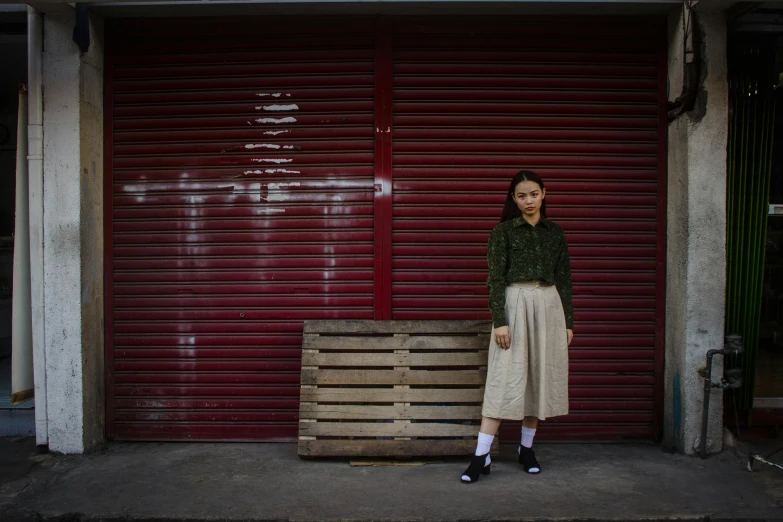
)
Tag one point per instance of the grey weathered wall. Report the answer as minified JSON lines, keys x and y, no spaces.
{"x":696,"y":239}
{"x":73,"y":242}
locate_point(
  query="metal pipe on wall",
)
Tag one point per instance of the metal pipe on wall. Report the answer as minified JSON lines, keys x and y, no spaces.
{"x":35,"y":167}
{"x":733,"y":379}
{"x":21,"y":326}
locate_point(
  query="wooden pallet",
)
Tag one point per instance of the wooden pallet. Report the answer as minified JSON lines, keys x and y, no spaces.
{"x":392,"y":388}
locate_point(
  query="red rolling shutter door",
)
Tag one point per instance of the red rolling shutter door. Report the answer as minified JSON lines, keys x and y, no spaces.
{"x":581,"y":104}
{"x":241,"y":190}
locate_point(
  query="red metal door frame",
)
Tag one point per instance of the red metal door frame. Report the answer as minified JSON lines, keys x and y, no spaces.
{"x":383,"y":170}
{"x":108,"y":228}
{"x":660,"y":307}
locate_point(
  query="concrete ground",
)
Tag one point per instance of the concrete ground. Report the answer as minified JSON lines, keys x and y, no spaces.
{"x":198,"y":481}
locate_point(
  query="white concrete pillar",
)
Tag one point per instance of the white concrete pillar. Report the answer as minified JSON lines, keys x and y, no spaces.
{"x":696,"y":243}
{"x":73,"y":235}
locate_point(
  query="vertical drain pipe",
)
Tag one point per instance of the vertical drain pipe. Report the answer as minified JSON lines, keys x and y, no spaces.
{"x":35,"y":167}
{"x":705,"y":409}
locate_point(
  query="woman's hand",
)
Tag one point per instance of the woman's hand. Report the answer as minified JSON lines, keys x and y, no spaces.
{"x":502,"y":337}
{"x":570,"y":336}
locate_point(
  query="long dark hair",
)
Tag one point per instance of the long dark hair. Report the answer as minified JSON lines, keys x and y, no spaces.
{"x":510,"y":208}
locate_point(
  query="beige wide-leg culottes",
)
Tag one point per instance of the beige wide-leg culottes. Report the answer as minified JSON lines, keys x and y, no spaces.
{"x":531,"y":377}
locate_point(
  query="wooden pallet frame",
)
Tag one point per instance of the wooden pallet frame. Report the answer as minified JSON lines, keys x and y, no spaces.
{"x":417,"y":385}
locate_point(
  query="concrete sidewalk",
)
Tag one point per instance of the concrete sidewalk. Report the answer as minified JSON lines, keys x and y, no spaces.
{"x":199,"y":481}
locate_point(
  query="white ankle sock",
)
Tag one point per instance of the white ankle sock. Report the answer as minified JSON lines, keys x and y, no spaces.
{"x":527,"y":437}
{"x":482,"y":448}
{"x":484,"y":443}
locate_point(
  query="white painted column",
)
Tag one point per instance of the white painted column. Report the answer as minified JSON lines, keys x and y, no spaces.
{"x":72,"y":232}
{"x":696,"y":243}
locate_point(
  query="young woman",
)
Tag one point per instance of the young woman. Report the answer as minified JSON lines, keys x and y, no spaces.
{"x":530,"y":301}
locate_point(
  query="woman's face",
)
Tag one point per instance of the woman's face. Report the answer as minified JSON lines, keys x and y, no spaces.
{"x":529,"y":196}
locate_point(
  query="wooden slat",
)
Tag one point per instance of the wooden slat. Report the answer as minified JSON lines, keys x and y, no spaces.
{"x":392,"y":327}
{"x":356,"y":412}
{"x":402,"y":388}
{"x":414,"y":377}
{"x":391,"y":395}
{"x":370,"y":344}
{"x":382,"y":429}
{"x":392,"y":359}
{"x":302,"y":402}
{"x":388,"y":448}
